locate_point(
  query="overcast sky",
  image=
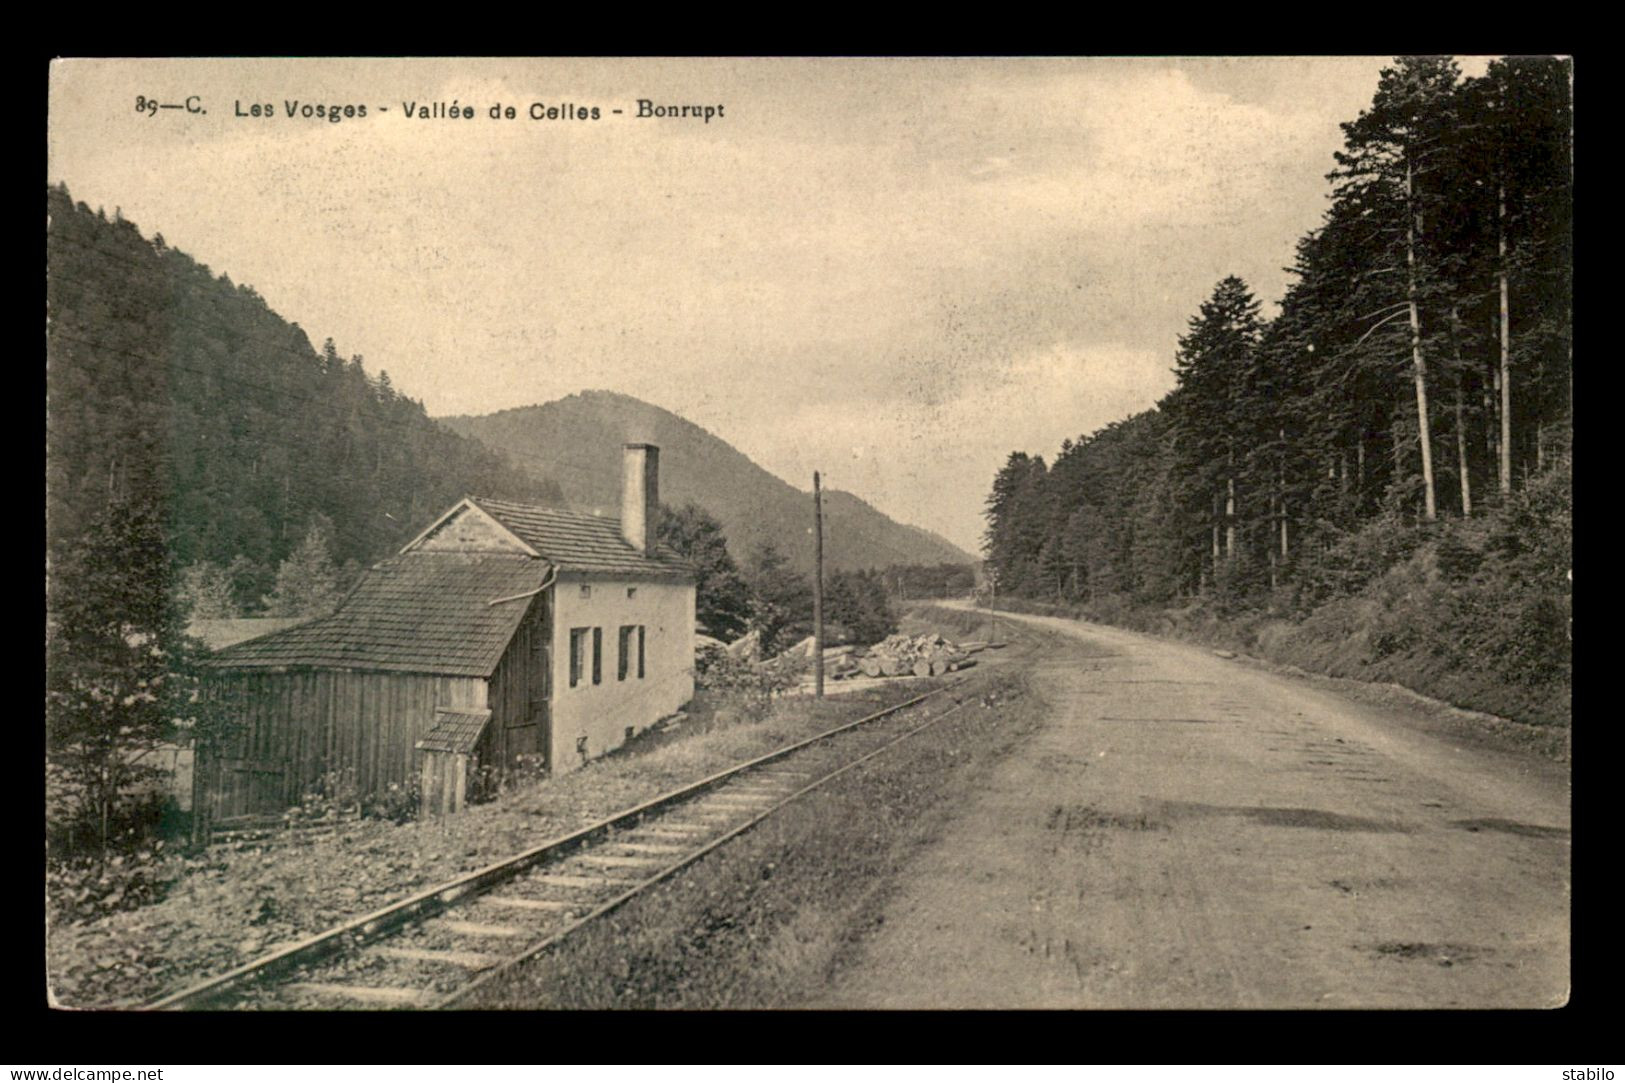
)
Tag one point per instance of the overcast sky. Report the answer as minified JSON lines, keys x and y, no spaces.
{"x":895,"y":272}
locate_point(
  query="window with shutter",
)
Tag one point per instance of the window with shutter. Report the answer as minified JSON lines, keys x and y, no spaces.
{"x":578,"y":651}
{"x":623,"y":656}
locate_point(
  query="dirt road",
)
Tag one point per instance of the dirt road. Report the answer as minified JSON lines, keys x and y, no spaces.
{"x":1189,"y":832}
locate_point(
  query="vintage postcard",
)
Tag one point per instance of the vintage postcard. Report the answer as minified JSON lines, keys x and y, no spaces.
{"x":860,"y":533}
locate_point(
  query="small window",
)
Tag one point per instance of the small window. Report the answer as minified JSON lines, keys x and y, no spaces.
{"x":640,"y":652}
{"x":623,"y":657}
{"x":597,"y":656}
{"x":586,"y":590}
{"x":578,"y":652}
{"x":631,"y":592}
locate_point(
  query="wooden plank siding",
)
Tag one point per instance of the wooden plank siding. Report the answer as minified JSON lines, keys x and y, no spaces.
{"x":520,"y":690}
{"x":299,"y":725}
{"x":303,"y":724}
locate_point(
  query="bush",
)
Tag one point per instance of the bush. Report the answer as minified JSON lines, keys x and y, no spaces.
{"x":398,"y":803}
{"x":73,"y":827}
{"x":490,"y":781}
{"x":85,"y":888}
{"x":1456,"y":559}
{"x":748,"y":687}
{"x":330,"y":797}
{"x":1345,"y":566}
{"x":1116,"y":609}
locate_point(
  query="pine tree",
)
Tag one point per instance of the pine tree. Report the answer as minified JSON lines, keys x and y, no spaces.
{"x":207,"y":592}
{"x":781,"y":599}
{"x":307,"y":583}
{"x":121,"y":677}
{"x":723,"y":601}
{"x":1391,"y":166}
{"x":1214,"y":359}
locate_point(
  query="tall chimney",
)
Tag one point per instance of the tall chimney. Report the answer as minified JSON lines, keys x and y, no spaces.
{"x":640,"y":495}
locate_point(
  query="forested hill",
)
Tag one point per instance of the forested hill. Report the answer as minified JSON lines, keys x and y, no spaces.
{"x":578,"y":440}
{"x":173,"y":389}
{"x":1384,"y":465}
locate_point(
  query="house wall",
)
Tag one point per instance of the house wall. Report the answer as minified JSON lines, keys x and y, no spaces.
{"x":603,"y":713}
{"x":299,"y":725}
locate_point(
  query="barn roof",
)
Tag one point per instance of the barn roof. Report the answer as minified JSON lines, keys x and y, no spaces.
{"x":582,"y":543}
{"x":455,"y":731}
{"x":223,"y":632}
{"x":420,"y":612}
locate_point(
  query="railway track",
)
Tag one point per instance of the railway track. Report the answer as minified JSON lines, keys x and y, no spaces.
{"x":434,"y":948}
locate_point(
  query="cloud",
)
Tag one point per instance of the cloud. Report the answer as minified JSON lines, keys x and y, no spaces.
{"x":904,"y":454}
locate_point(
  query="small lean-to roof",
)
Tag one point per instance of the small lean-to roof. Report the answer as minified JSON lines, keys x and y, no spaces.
{"x":455,"y":731}
{"x":420,"y":612}
{"x":582,"y":543}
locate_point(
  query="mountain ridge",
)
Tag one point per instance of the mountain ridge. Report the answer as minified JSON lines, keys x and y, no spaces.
{"x":575,"y":441}
{"x":171,"y":388}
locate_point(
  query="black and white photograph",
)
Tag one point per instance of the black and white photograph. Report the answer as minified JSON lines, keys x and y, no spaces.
{"x":785,"y":533}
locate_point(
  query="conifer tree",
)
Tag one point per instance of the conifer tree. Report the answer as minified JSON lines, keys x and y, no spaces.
{"x":1212,"y":364}
{"x":307,"y":583}
{"x":1392,"y":167}
{"x":722,"y":598}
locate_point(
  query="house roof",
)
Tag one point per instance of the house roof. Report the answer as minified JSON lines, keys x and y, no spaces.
{"x":581,"y":543}
{"x":223,"y":632}
{"x":455,"y":731}
{"x":420,"y":612}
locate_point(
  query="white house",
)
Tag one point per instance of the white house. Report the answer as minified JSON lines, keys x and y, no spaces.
{"x":502,"y":631}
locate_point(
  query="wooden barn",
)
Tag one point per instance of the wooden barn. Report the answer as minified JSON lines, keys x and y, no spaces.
{"x":502,"y":631}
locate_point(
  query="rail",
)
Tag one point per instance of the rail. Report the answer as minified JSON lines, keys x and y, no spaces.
{"x":339,"y":942}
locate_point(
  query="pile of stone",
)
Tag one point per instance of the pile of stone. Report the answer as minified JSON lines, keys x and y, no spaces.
{"x":927,"y":655}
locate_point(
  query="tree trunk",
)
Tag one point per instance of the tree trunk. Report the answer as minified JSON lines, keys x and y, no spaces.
{"x":1505,"y":327}
{"x":1422,"y":434}
{"x":1461,"y":420}
{"x":1230,"y":506}
{"x":1280,"y":488}
{"x":104,"y":802}
{"x":1215,"y":532}
{"x":1270,"y":548}
{"x":1461,"y":450}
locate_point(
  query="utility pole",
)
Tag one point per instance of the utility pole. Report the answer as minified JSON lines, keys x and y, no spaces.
{"x":993,"y":602}
{"x":818,"y":588}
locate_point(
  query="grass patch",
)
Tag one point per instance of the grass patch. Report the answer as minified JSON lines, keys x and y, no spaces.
{"x":767,"y":920}
{"x":227,"y":906}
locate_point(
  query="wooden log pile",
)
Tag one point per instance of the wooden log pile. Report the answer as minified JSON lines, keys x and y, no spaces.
{"x":928,"y":655}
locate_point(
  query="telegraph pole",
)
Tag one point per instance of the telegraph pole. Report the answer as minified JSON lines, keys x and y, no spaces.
{"x":818,"y":589}
{"x":993,"y":601}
